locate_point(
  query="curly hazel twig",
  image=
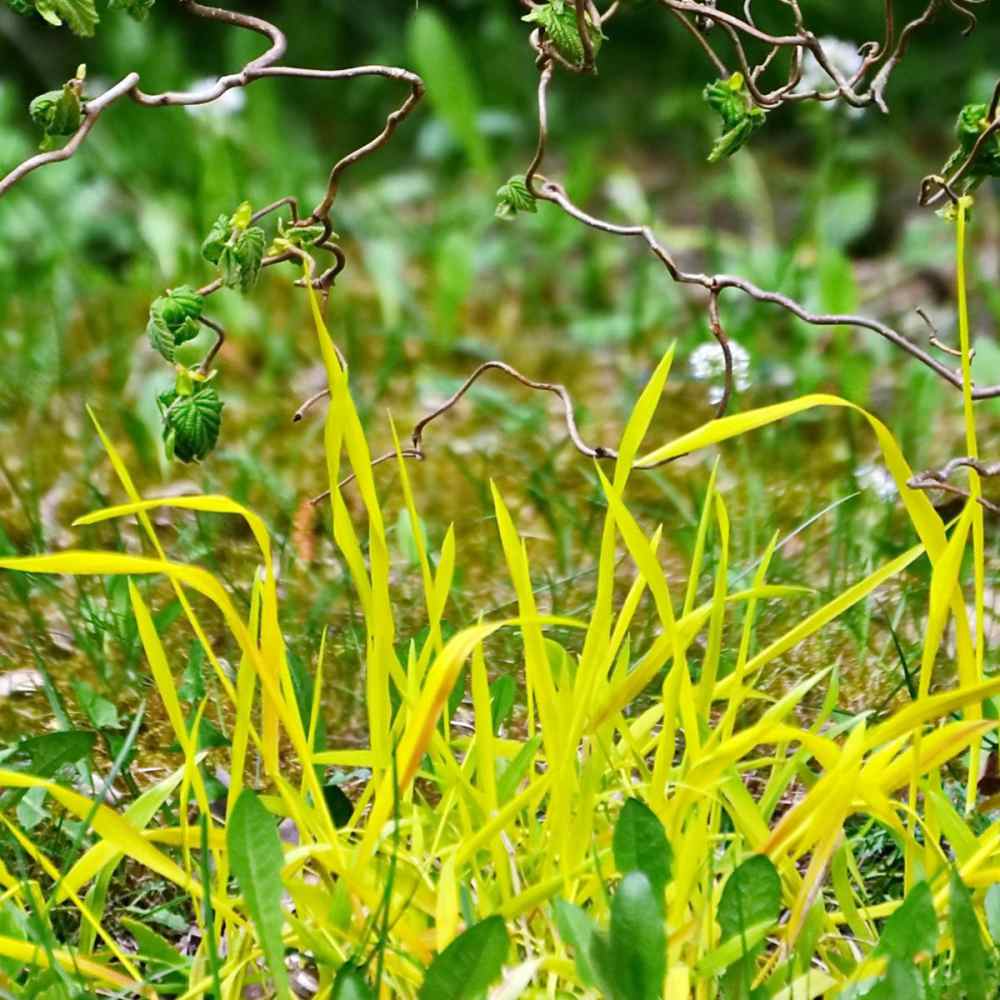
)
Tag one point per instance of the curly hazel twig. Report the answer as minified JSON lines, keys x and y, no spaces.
{"x":864,"y":86}
{"x":937,"y":479}
{"x":546,"y":189}
{"x":599,"y":452}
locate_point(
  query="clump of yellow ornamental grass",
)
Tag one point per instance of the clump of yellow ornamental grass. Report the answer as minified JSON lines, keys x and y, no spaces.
{"x":514,"y":825}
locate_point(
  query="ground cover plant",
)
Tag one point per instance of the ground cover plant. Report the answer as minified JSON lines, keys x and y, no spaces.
{"x":632,"y":812}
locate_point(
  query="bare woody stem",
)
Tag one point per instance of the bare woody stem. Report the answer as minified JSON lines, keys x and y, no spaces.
{"x":599,"y":452}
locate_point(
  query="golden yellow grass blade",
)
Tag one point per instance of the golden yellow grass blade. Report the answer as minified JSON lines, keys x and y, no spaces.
{"x":33,"y":955}
{"x":36,"y":854}
{"x":821,"y":617}
{"x":109,"y":825}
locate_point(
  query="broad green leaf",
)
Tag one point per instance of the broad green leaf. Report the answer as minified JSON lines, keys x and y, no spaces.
{"x":902,"y":981}
{"x":576,"y":929}
{"x":638,"y":940}
{"x":913,"y":927}
{"x":469,"y":964}
{"x":50,"y":752}
{"x":751,"y":896}
{"x":101,"y":713}
{"x":350,"y":984}
{"x":970,"y":954}
{"x":640,"y":844}
{"x":256,"y":857}
{"x":992,"y":907}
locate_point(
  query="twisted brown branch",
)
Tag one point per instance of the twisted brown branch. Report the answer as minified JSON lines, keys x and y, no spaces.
{"x":937,"y":479}
{"x":599,"y":452}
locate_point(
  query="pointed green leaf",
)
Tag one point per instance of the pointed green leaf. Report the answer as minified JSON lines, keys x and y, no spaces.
{"x":469,"y":964}
{"x":256,"y":857}
{"x":640,"y":844}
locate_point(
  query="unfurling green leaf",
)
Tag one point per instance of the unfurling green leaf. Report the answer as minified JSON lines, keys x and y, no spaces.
{"x":58,"y":112}
{"x":191,"y":422}
{"x":973,"y":121}
{"x":514,"y":197}
{"x":79,"y":15}
{"x":216,"y":240}
{"x":173,"y":320}
{"x":242,"y":217}
{"x":740,"y":116}
{"x":239,"y":262}
{"x":558,"y":19}
{"x":301,"y":236}
{"x":236,"y":248}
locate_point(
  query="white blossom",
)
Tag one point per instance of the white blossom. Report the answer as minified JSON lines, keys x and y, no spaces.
{"x":708,"y":363}
{"x":877,"y":479}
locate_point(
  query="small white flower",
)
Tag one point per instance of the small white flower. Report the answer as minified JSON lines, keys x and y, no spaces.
{"x":708,"y":363}
{"x":228,"y":104}
{"x":877,"y":479}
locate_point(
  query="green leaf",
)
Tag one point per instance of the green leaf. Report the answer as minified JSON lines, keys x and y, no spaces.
{"x":155,"y":949}
{"x":508,"y":781}
{"x":240,"y":259}
{"x":100,"y":712}
{"x":191,"y":423}
{"x":902,"y":981}
{"x":992,"y":907}
{"x":740,"y":116}
{"x":469,"y":964}
{"x":752,"y":895}
{"x":218,"y":236}
{"x":913,"y":927}
{"x":502,"y":694}
{"x":970,"y":954}
{"x":48,"y":753}
{"x":558,"y":19}
{"x":638,"y":940}
{"x":173,"y":320}
{"x":514,"y":197}
{"x":451,"y":89}
{"x":577,"y":930}
{"x":80,"y":15}
{"x":249,"y":254}
{"x":256,"y":857}
{"x":640,"y":844}
{"x":350,"y":984}
{"x":58,"y":113}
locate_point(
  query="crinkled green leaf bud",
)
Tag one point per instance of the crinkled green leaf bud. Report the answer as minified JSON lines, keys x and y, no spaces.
{"x":58,"y":112}
{"x":558,"y":19}
{"x":173,"y":320}
{"x":514,"y":197}
{"x":740,"y":116}
{"x":191,"y":420}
